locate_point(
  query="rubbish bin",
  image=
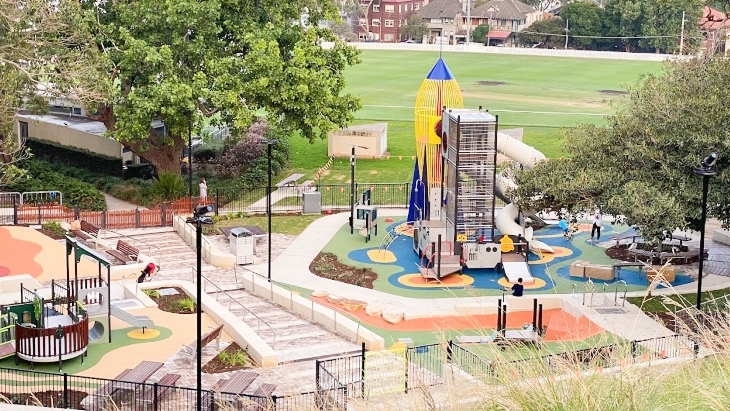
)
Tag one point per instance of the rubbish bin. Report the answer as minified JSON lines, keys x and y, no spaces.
{"x":312,"y":202}
{"x":243,"y":245}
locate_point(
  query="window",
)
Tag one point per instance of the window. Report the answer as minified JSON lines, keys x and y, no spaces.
{"x":389,"y":23}
{"x":59,"y":110}
{"x":77,"y":111}
{"x":376,"y":8}
{"x":389,"y":8}
{"x":375,"y":22}
{"x":363,"y":21}
{"x":23,"y":129}
{"x":388,"y":36}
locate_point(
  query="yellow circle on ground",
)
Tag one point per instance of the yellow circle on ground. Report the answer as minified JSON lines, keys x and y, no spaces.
{"x":537,"y":284}
{"x":381,"y":256}
{"x":547,"y":257}
{"x":138,"y":335}
{"x":454,"y":280}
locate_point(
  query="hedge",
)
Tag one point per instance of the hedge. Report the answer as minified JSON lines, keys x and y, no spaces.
{"x":42,"y":177}
{"x":57,"y":153}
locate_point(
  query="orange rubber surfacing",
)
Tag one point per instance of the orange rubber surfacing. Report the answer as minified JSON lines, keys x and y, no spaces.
{"x":417,"y":280}
{"x":567,"y":327}
{"x":18,"y":256}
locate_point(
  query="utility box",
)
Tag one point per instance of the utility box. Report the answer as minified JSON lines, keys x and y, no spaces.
{"x":312,"y":202}
{"x":243,"y":245}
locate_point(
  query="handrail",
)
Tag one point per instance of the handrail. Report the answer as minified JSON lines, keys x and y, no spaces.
{"x":291,"y":298}
{"x":221,"y":290}
{"x":615,"y":293}
{"x":149,"y":245}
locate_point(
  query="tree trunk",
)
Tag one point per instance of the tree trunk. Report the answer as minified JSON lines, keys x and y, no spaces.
{"x":164,"y":157}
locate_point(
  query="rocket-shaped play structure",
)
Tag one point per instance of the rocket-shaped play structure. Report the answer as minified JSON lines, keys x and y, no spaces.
{"x":438,"y":90}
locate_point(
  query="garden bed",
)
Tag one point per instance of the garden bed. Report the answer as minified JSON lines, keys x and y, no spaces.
{"x":621,"y":252}
{"x":327,"y":265}
{"x":233,"y":358}
{"x":178,"y":303}
{"x":48,"y":399}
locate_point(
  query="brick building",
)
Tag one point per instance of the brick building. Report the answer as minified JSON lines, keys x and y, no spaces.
{"x":384,"y":19}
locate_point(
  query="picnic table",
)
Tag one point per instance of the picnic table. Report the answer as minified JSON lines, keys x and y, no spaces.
{"x":143,"y":371}
{"x":292,"y":180}
{"x":236,"y":385}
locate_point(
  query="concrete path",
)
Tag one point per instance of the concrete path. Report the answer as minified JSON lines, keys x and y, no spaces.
{"x":114,"y":204}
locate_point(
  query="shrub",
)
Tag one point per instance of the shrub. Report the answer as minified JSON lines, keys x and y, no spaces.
{"x":42,"y":177}
{"x":80,"y":158}
{"x":186,"y":305}
{"x":55,"y":228}
{"x":206,"y":153}
{"x":169,"y":186}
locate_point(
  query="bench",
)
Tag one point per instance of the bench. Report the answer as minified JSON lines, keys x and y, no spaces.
{"x":165,"y":383}
{"x":289,"y":181}
{"x":124,"y":252}
{"x":262,"y":398}
{"x":87,"y":231}
{"x":99,"y":397}
{"x":205,"y":340}
{"x":207,"y":402}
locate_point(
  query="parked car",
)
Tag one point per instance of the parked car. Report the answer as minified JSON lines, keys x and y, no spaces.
{"x":410,"y":41}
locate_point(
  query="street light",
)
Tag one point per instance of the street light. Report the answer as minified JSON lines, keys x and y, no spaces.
{"x":269,"y":143}
{"x":706,"y":170}
{"x":199,"y":219}
{"x":190,"y":155}
{"x":468,"y":21}
{"x":352,"y":185}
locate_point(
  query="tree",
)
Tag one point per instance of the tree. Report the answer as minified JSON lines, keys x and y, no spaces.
{"x":549,"y":33}
{"x":663,"y":21}
{"x":415,"y":27}
{"x":180,"y":61}
{"x":584,"y":19}
{"x":37,"y":54}
{"x":343,"y":31}
{"x":640,"y":164}
{"x":479,"y":35}
{"x":542,"y":5}
{"x":624,"y":18}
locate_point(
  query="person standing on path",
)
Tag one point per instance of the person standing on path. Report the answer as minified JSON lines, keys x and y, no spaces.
{"x":203,"y":189}
{"x":596,"y":228}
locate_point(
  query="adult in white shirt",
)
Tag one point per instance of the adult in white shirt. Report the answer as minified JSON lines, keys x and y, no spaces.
{"x":203,"y":189}
{"x":596,"y":228}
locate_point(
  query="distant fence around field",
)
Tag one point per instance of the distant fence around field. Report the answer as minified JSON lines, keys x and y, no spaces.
{"x":516,"y":51}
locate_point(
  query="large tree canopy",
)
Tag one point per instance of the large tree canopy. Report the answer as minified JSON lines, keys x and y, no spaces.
{"x":39,"y":57}
{"x":640,"y":163}
{"x":182,"y":60}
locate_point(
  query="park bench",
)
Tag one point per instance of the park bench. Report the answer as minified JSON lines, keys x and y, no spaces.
{"x":205,"y":340}
{"x":124,"y":252}
{"x":87,"y":231}
{"x":262,"y":398}
{"x":166,"y":382}
{"x":289,"y":181}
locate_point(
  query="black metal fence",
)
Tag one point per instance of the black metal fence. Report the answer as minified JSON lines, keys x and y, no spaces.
{"x":76,"y":392}
{"x":425,"y":364}
{"x":8,"y":208}
{"x":289,"y":198}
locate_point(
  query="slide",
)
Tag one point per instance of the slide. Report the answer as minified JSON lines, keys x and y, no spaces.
{"x":133,"y":320}
{"x":505,"y":220}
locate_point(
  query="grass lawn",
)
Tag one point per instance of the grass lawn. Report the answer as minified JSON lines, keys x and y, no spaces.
{"x":658,"y":304}
{"x":539,"y":94}
{"x":291,"y":224}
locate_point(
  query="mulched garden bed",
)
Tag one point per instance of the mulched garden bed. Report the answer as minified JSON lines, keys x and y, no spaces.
{"x":171,"y":303}
{"x":327,"y":265}
{"x":53,"y":234}
{"x":218,"y":364}
{"x":621,"y":252}
{"x":49,"y":399}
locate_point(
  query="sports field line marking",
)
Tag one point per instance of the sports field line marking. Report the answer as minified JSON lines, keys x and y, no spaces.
{"x":504,"y":111}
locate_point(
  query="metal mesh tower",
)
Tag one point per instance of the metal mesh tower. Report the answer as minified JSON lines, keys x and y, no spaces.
{"x":470,"y":170}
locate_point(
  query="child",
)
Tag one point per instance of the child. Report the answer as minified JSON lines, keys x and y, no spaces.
{"x":147,"y":273}
{"x":564,"y":226}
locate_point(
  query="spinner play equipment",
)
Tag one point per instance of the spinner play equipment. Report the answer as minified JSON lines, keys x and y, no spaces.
{"x":439,"y":89}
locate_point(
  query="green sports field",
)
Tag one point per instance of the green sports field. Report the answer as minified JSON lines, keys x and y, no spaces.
{"x":539,"y":94}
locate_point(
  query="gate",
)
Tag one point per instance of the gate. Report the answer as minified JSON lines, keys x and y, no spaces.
{"x":8,"y":204}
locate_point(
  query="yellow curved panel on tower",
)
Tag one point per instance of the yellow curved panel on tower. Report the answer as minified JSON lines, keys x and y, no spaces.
{"x":432,"y":97}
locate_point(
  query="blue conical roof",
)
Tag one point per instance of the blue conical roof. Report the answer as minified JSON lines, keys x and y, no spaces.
{"x":440,"y":71}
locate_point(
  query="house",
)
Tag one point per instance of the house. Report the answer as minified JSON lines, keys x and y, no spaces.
{"x":445,"y":19}
{"x":383,"y":19}
{"x":67,"y":124}
{"x":505,"y":19}
{"x":715,"y":27}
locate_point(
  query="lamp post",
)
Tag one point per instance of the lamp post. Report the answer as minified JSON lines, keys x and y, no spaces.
{"x":199,"y":219}
{"x":190,"y":155}
{"x":468,"y":21}
{"x":352,"y":185}
{"x":269,"y":144}
{"x":706,"y":170}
